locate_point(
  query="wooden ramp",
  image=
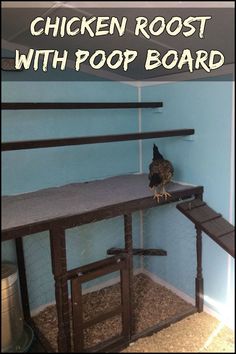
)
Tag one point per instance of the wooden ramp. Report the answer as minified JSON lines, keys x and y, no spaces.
{"x":210,"y":222}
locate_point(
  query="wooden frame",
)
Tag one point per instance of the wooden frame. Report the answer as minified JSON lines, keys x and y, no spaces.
{"x":210,"y":222}
{"x":89,"y":272}
{"x":58,"y":226}
{"x":62,"y":275}
{"x":98,"y":214}
{"x":79,"y":105}
{"x":36,"y":144}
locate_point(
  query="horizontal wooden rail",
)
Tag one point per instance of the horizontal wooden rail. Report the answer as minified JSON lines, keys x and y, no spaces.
{"x":11,"y":231}
{"x":46,"y":143}
{"x":100,"y":272}
{"x":164,"y":323}
{"x":103,"y":317}
{"x":138,"y":251}
{"x":88,"y":268}
{"x":78,"y":105}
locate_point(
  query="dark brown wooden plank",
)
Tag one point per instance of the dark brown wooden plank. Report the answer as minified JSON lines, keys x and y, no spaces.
{"x":199,"y":290}
{"x":138,"y":251}
{"x":95,"y":269}
{"x":78,"y":105}
{"x":129,"y":251}
{"x":47,"y":143}
{"x":77,"y":198}
{"x":212,"y":223}
{"x":59,"y":269}
{"x":125,"y":302}
{"x":217,"y":227}
{"x":103,"y":317}
{"x":22,"y":278}
{"x":101,"y":271}
{"x":202,"y":214}
{"x":115,"y":344}
{"x":198,"y":214}
{"x":227,"y":242}
{"x":187,"y":206}
{"x":79,"y":271}
{"x":95,"y":215}
{"x":151,"y":330}
{"x":164,"y":324}
{"x":77,"y":316}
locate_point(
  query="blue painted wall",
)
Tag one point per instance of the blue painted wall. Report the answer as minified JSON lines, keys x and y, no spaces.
{"x":25,"y":171}
{"x":29,"y":170}
{"x":206,"y":107}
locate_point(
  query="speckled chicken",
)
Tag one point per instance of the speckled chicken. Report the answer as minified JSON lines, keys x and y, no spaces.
{"x":160,"y":174}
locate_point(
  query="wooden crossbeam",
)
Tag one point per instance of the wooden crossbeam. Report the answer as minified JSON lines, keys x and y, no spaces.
{"x":78,"y":105}
{"x":92,"y":268}
{"x":84,"y":140}
{"x":102,"y":317}
{"x":138,"y":251}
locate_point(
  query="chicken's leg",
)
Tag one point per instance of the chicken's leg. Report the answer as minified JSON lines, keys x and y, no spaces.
{"x":156,"y":194}
{"x":165,"y":194}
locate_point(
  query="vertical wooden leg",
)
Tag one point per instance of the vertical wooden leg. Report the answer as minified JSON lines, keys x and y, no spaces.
{"x":129,"y":251}
{"x":22,"y":278}
{"x":199,"y":278}
{"x":77,"y":315}
{"x":59,"y":268}
{"x":125,"y":301}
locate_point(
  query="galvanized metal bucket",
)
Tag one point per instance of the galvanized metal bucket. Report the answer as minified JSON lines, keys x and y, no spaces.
{"x":15,"y":335}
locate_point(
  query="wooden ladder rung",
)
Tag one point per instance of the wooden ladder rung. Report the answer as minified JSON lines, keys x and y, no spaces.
{"x":102,"y":317}
{"x":227,"y":233}
{"x":211,"y":219}
{"x":89,"y":272}
{"x":210,"y":222}
{"x":92,"y":267}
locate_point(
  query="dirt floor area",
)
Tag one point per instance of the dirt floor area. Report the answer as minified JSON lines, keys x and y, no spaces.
{"x":199,"y":333}
{"x":153,"y":303}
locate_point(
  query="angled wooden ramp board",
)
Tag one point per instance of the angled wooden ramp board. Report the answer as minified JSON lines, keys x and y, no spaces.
{"x":211,"y":223}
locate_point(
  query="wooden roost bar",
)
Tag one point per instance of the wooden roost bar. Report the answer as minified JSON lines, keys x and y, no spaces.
{"x":56,"y":211}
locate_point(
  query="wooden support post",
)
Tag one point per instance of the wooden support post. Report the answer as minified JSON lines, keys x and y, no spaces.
{"x":22,"y":278}
{"x":199,"y":278}
{"x":77,"y":315}
{"x":125,"y":302}
{"x":59,"y":268}
{"x":129,"y":252}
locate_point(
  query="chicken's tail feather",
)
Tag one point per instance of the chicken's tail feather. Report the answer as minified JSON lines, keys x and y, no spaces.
{"x":156,"y":153}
